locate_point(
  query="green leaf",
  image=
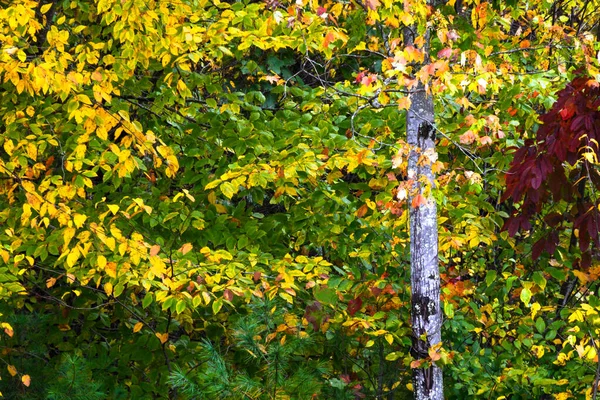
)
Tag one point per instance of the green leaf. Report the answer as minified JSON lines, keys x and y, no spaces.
{"x":525,"y":296}
{"x":326,"y":296}
{"x":147,"y":300}
{"x":118,"y":289}
{"x":539,"y":279}
{"x":216,"y":305}
{"x":490,"y":277}
{"x":449,"y":309}
{"x":180,"y":307}
{"x":540,"y":325}
{"x":556,"y":273}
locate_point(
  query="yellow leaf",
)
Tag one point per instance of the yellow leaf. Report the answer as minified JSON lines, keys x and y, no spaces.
{"x":12,"y":370}
{"x":157,"y":266}
{"x":8,"y":146}
{"x":163,"y":337}
{"x":389,"y":338}
{"x":26,"y":379}
{"x":84,"y":99}
{"x":113,"y":208}
{"x":8,"y":329}
{"x":72,"y":257}
{"x":138,"y":327}
{"x":590,"y":157}
{"x":228,"y":189}
{"x":44,"y":9}
{"x":213,"y":184}
{"x":111,"y":269}
{"x":68,"y":235}
{"x":576,"y":316}
{"x":108,"y":288}
{"x":101,"y":261}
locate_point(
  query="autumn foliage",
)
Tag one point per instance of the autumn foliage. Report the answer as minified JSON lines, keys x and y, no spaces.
{"x":558,"y":166}
{"x":212,"y":199}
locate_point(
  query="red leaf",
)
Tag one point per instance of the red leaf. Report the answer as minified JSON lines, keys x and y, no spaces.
{"x":359,"y":77}
{"x":228,"y":295}
{"x":354,"y":306}
{"x":445,"y":53}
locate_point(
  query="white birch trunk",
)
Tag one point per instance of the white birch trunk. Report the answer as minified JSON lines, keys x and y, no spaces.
{"x":426,"y":314}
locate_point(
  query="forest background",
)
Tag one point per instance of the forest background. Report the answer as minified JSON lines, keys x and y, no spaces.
{"x":215,"y":199}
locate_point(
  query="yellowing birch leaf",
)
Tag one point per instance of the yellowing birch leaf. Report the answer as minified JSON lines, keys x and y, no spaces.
{"x":389,"y":338}
{"x":26,"y":379}
{"x":108,"y":288}
{"x":11,"y":370}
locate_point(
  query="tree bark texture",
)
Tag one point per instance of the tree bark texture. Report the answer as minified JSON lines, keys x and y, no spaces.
{"x":426,"y":314}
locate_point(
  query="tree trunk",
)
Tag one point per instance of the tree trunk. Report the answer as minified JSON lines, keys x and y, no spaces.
{"x":425,"y":277}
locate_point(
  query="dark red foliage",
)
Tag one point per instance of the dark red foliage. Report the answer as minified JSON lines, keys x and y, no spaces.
{"x":542,"y":170}
{"x":354,"y":306}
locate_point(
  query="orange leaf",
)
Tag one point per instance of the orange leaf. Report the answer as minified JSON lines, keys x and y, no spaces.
{"x":111,"y":269}
{"x":362,"y":211}
{"x":468,"y":137}
{"x":163,"y":337}
{"x":524,"y":44}
{"x":154,"y":250}
{"x":9,"y":332}
{"x":404,"y":103}
{"x":418,"y":200}
{"x":186,"y":248}
{"x":50,"y":282}
{"x":26,"y":379}
{"x":434,"y":354}
{"x":414,"y":54}
{"x":11,"y":370}
{"x":97,"y":76}
{"x":328,"y":39}
{"x":416,"y":364}
{"x":138,"y":327}
{"x":485,"y":140}
{"x":372,"y":4}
